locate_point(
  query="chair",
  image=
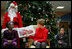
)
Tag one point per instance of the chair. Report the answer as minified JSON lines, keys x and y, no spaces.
{"x":48,"y":42}
{"x":2,"y":39}
{"x":31,"y":41}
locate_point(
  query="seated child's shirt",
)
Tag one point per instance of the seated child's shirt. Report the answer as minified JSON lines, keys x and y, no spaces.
{"x":41,"y":34}
{"x":7,"y":35}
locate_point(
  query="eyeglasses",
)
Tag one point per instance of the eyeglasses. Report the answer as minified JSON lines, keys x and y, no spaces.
{"x":12,"y":7}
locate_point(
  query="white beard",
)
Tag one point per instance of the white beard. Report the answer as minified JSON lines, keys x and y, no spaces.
{"x":12,"y":13}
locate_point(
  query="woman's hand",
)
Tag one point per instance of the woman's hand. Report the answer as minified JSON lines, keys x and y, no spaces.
{"x":60,"y":42}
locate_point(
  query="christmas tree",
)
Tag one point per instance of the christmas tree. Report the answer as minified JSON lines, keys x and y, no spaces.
{"x":31,"y":11}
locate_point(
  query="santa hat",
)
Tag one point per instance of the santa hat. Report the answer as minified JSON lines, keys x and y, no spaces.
{"x":14,"y":4}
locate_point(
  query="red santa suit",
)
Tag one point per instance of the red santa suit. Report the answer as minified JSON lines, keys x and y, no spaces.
{"x":13,"y":16}
{"x":16,"y":19}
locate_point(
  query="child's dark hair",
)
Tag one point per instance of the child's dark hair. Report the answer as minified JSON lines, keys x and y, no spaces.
{"x":9,"y":24}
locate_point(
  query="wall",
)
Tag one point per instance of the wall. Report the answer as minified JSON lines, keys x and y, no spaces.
{"x":2,"y":15}
{"x":61,"y":13}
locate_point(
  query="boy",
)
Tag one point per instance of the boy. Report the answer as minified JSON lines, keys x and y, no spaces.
{"x":10,"y":37}
{"x":41,"y":34}
{"x":61,"y":39}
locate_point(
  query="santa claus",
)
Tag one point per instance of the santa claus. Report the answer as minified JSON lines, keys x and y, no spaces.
{"x":12,"y":15}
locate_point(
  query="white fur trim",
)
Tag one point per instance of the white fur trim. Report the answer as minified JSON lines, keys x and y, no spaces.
{"x":16,"y":6}
{"x":7,"y":29}
{"x":12,"y":4}
{"x":4,"y":30}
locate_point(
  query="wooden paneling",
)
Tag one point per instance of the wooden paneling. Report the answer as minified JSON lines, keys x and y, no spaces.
{"x":61,"y":13}
{"x":65,"y":24}
{"x":2,"y":14}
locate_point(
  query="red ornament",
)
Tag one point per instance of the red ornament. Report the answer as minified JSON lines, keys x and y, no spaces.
{"x":26,"y":8}
{"x":52,"y":16}
{"x":44,"y":12}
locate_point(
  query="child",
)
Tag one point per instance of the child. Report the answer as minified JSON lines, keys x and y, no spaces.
{"x":10,"y":37}
{"x":61,"y":39}
{"x":40,"y":35}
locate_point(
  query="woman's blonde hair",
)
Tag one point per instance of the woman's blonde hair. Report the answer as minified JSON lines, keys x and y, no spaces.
{"x":41,"y":21}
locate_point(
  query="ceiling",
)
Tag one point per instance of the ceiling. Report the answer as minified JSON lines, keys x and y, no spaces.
{"x":66,"y":4}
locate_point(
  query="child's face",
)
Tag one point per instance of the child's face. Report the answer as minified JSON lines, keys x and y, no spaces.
{"x":39,"y":25}
{"x":11,"y":25}
{"x":62,"y":31}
